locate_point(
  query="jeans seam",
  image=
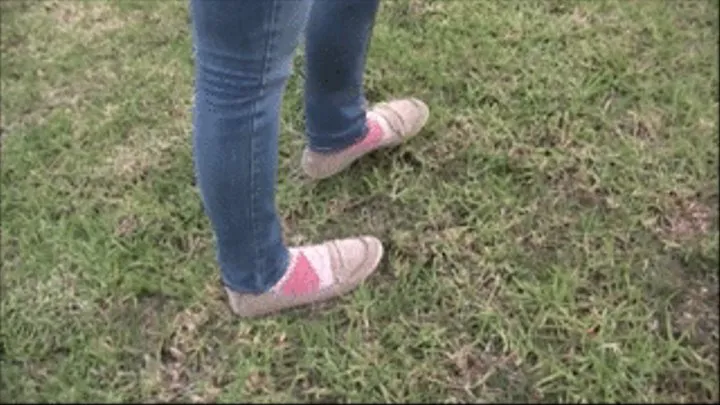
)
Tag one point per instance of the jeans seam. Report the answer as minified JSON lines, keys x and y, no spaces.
{"x":266,"y":63}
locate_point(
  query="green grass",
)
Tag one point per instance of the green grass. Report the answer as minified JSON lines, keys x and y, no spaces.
{"x":551,"y":236}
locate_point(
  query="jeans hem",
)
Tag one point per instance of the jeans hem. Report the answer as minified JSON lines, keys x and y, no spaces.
{"x":337,"y":145}
{"x":272,"y":277}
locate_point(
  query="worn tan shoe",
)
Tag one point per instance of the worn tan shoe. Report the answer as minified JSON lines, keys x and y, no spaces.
{"x":316,"y":273}
{"x":389,"y":124}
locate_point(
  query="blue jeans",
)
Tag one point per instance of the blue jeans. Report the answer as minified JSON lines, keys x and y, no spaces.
{"x":243,"y":58}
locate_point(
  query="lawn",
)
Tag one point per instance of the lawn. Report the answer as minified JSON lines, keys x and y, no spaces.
{"x":551,"y":236}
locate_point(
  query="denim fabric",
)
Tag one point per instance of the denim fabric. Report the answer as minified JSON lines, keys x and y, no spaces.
{"x":243,"y":58}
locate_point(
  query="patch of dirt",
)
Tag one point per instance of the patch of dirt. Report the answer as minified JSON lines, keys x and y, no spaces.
{"x":644,"y":125}
{"x":257,"y":382}
{"x":189,"y":364}
{"x":412,"y":11}
{"x":190,"y":245}
{"x":63,"y":97}
{"x":487,"y":374}
{"x":292,"y":237}
{"x":684,"y":218}
{"x":16,"y":5}
{"x":572,"y":179}
{"x":696,"y":309}
{"x":690,"y":219}
{"x":87,"y":19}
{"x":58,"y":293}
{"x":126,"y":226}
{"x":577,"y":182}
{"x":580,"y":18}
{"x":419,"y":8}
{"x":691,"y":281}
{"x":697,"y":314}
{"x":541,"y":238}
{"x":132,"y":161}
{"x":143,"y":313}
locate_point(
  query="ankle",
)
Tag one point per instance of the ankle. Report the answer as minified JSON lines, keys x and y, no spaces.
{"x":309,"y":270}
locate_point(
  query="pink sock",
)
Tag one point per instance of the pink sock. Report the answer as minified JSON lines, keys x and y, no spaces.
{"x":309,"y":271}
{"x":301,"y":278}
{"x":373,"y":137}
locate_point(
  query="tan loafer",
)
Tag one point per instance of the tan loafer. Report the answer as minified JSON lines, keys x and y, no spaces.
{"x":339,"y":266}
{"x":390,"y":124}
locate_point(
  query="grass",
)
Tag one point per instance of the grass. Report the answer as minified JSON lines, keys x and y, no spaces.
{"x":551,"y":236}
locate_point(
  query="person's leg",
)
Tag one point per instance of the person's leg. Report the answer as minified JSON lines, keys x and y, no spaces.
{"x":338,"y":128}
{"x":243,"y":55}
{"x":337,"y":38}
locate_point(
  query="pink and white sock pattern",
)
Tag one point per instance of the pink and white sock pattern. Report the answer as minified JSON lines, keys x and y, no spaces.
{"x":373,"y":139}
{"x":309,"y":271}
